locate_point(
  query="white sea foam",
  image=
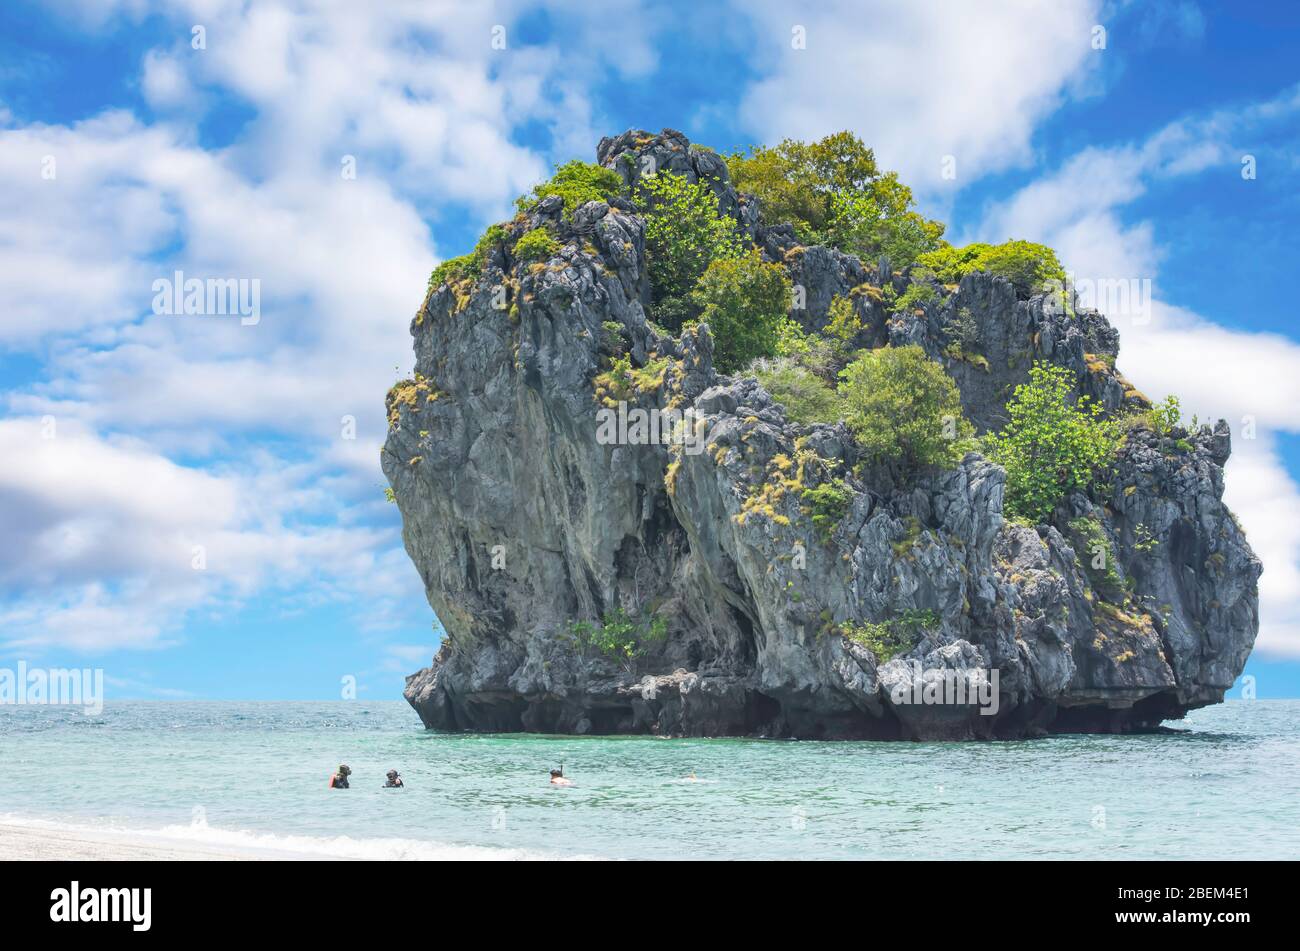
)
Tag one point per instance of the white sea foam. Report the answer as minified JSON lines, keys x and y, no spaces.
{"x":350,"y":848}
{"x":271,"y":845}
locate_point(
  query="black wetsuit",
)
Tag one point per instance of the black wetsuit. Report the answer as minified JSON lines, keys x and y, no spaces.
{"x":394,"y":783}
{"x":339,"y":781}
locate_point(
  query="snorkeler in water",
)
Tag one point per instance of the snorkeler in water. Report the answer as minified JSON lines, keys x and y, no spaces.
{"x":557,"y":778}
{"x":394,"y":780}
{"x":340,"y":779}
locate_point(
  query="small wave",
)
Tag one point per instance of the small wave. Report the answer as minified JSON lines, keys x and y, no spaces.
{"x":347,"y":847}
{"x":269,"y":845}
{"x":687,"y":781}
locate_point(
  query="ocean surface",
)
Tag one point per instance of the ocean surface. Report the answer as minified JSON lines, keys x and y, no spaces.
{"x":255,"y":775}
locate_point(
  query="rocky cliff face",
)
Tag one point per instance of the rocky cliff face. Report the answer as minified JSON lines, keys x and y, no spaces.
{"x":522,"y":521}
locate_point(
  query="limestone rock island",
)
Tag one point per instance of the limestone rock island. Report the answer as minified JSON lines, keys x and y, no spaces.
{"x":885,"y":458}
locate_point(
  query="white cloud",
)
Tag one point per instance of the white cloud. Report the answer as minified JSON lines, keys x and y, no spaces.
{"x":110,"y":544}
{"x":341,"y":266}
{"x":75,"y":243}
{"x":105,"y":517}
{"x":164,"y":83}
{"x":404,"y":658}
{"x":919,"y":81}
{"x":75,"y":504}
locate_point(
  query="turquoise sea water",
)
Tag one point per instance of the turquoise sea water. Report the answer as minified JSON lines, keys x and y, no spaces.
{"x":256,"y":774}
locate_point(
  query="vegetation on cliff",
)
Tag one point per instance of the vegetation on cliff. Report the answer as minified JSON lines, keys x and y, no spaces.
{"x":619,"y":636}
{"x":576,"y":183}
{"x":1028,"y":266}
{"x":744,"y":301}
{"x":1052,"y":445}
{"x":685,"y":235}
{"x":901,"y":405}
{"x":904,"y":409}
{"x":833,"y":192}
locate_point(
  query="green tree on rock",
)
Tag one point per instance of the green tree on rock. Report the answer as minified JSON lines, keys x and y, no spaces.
{"x":904,"y":409}
{"x":684,"y":234}
{"x":1051,"y":446}
{"x":744,"y":300}
{"x":576,"y":183}
{"x":1026,"y":265}
{"x":833,"y":192}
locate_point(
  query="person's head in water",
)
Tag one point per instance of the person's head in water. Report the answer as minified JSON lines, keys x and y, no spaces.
{"x":340,"y":779}
{"x":557,"y":778}
{"x":393,"y":778}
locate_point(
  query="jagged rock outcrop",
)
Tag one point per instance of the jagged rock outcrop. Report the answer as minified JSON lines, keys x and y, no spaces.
{"x":521,"y":521}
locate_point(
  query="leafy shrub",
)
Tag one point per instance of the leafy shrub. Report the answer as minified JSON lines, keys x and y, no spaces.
{"x":813,"y":352}
{"x":964,"y":330}
{"x":611,"y":337}
{"x":673,"y":313}
{"x":615,"y":384}
{"x":1050,"y":447}
{"x":807,"y":398}
{"x":469,"y":265}
{"x":844,"y":323}
{"x":493,"y":236}
{"x":744,"y":300}
{"x":904,"y":409}
{"x":537,"y":245}
{"x":791,"y":339}
{"x":1026,"y":265}
{"x":882,"y":222}
{"x":622,"y":382}
{"x":888,"y":639}
{"x":827,"y":504}
{"x":1162,"y":419}
{"x":833,"y":192}
{"x":917,"y":293}
{"x":619,"y":636}
{"x":684,"y":235}
{"x":577,"y":183}
{"x":1164,"y":416}
{"x":455,"y":269}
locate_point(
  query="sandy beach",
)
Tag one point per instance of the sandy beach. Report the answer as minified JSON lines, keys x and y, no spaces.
{"x":19,"y":843}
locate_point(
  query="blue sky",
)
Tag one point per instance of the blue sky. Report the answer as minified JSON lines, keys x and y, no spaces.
{"x":175,"y":435}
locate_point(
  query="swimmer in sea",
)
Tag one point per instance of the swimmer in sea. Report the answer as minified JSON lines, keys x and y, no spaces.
{"x":394,"y":780}
{"x":557,"y":778}
{"x":340,"y":779}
